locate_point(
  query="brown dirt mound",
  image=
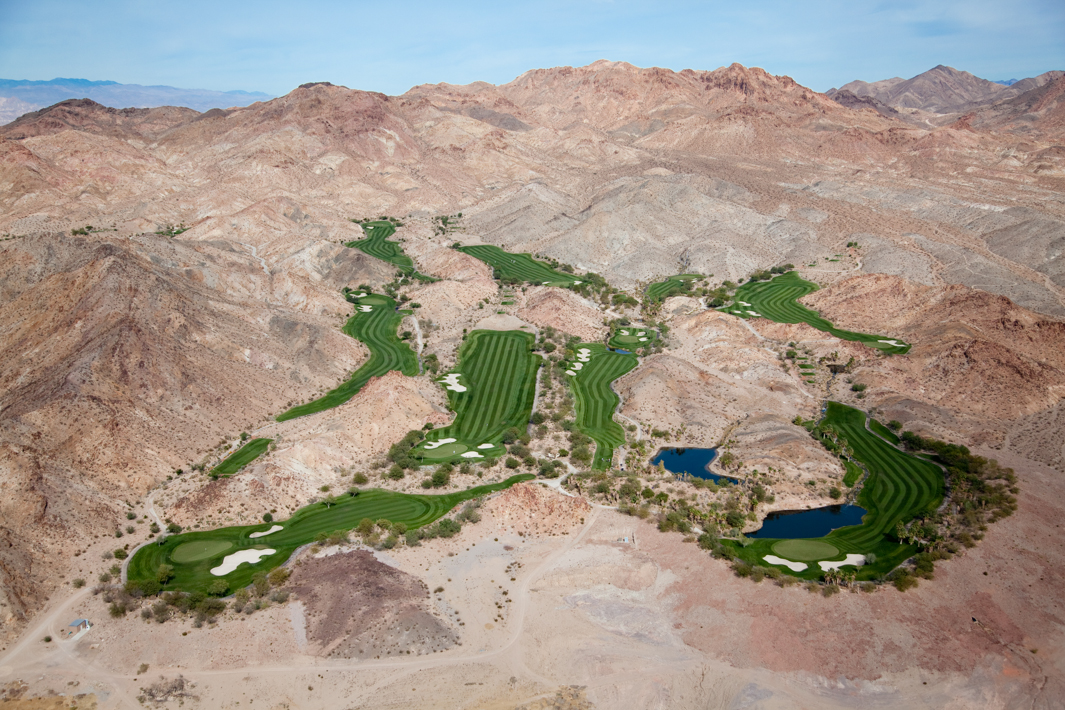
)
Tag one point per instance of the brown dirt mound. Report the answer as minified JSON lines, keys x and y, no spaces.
{"x":359,"y":607}
{"x":532,"y":508}
{"x":565,"y":310}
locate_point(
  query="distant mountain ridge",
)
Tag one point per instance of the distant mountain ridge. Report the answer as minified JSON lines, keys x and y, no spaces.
{"x":20,"y":96}
{"x":942,"y":90}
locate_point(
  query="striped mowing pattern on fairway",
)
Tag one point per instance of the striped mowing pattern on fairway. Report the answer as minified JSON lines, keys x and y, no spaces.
{"x":595,"y":401}
{"x":376,"y":244}
{"x":900,"y":487}
{"x":498,"y":370}
{"x":376,"y":329}
{"x":301,"y":529}
{"x":775,"y":300}
{"x":521,"y":267}
{"x":670,"y":287}
{"x":242,"y":457}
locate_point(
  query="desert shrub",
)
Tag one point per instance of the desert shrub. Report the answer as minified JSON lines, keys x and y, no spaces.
{"x":120,"y":554}
{"x":741,"y":568}
{"x":360,"y":479}
{"x":858,"y":387}
{"x":829,"y":589}
{"x":512,"y":462}
{"x":218,"y":588}
{"x":441,"y":476}
{"x":835,"y":493}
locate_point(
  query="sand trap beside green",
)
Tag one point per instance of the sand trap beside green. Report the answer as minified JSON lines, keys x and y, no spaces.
{"x":793,"y":566}
{"x":806,"y":550}
{"x":264,"y":533}
{"x":199,"y":550}
{"x":231,"y":562}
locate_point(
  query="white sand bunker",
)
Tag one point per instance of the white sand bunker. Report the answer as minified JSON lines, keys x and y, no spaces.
{"x":643,"y":340}
{"x":472,"y":455}
{"x":576,"y":282}
{"x":584,"y":354}
{"x":852,"y":559}
{"x":896,"y":343}
{"x":641,"y":333}
{"x":485,"y":446}
{"x":743,"y":303}
{"x":359,"y":295}
{"x":365,"y":309}
{"x":624,"y":332}
{"x":757,"y":315}
{"x":576,"y":366}
{"x":437,"y":444}
{"x":452,"y":382}
{"x":793,"y":566}
{"x":264,"y":533}
{"x":231,"y":562}
{"x":571,"y":373}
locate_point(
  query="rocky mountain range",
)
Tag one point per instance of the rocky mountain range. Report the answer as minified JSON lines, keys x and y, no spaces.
{"x":19,"y":96}
{"x":200,"y":294}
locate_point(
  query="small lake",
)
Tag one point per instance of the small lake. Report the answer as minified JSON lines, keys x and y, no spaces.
{"x":691,"y":461}
{"x":619,"y":350}
{"x":817,"y":522}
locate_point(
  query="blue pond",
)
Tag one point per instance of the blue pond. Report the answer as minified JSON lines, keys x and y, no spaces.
{"x":623,"y":352}
{"x":809,"y":523}
{"x":691,"y":461}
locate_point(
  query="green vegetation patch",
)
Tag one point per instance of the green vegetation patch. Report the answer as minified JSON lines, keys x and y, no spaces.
{"x":678,"y":285}
{"x":595,"y":400}
{"x":805,"y":550}
{"x":632,"y":337}
{"x":517,"y":268}
{"x":376,"y":244}
{"x":776,"y":300}
{"x":199,"y":550}
{"x":883,"y":431}
{"x":193,"y":573}
{"x":241,"y":457}
{"x":853,"y":475}
{"x":899,"y":488}
{"x":374,"y":324}
{"x":490,"y":391}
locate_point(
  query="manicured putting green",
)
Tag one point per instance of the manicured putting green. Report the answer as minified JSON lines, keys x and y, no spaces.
{"x":199,"y":550}
{"x":519,"y":267}
{"x":374,"y":324}
{"x":242,"y":457}
{"x":444,"y":451}
{"x":595,"y":400}
{"x":673,"y":286}
{"x":194,"y":554}
{"x":632,"y":337}
{"x":776,"y":300}
{"x":376,"y":244}
{"x":805,"y":550}
{"x":491,"y":390}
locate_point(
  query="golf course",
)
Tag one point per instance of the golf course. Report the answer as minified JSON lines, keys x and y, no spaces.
{"x":595,"y":369}
{"x":490,"y":390}
{"x":632,"y":337}
{"x":776,"y":301}
{"x":242,"y":457}
{"x":519,"y":267}
{"x":673,"y":286}
{"x":900,"y":487}
{"x":376,"y":244}
{"x":194,"y":555}
{"x":374,"y":324}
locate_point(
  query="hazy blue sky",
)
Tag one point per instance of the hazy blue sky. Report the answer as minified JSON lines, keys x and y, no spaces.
{"x":390,"y":46}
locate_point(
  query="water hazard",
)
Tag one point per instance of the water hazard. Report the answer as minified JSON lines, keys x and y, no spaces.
{"x":809,"y":523}
{"x":691,"y":461}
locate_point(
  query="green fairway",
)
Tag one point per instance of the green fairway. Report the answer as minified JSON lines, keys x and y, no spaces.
{"x":900,"y":487}
{"x":776,"y":300}
{"x":496,"y":374}
{"x":883,"y":431}
{"x":594,"y":399}
{"x":632,"y":337}
{"x":673,"y":286}
{"x":193,"y":555}
{"x":242,"y":457}
{"x":519,"y":267}
{"x":376,"y":244}
{"x":374,"y":324}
